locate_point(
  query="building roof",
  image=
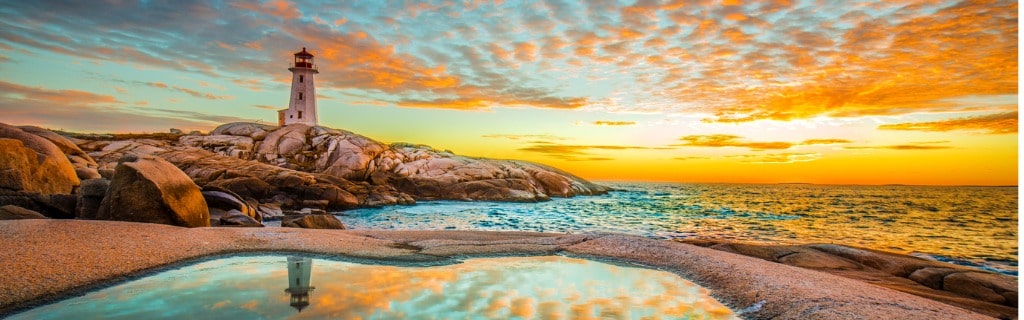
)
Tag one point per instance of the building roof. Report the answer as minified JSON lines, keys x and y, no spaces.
{"x":303,"y":53}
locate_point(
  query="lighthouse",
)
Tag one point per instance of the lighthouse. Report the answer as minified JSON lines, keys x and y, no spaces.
{"x":299,"y":270}
{"x":302,"y":103}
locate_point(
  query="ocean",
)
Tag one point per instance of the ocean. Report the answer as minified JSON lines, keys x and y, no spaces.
{"x":973,"y":226}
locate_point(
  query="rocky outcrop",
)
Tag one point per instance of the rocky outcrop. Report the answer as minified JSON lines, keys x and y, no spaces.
{"x":983,"y":292}
{"x":416,"y":170}
{"x":206,"y":168}
{"x":150,"y":189}
{"x":312,"y":221}
{"x":31,"y":163}
{"x":300,"y":166}
{"x":10,"y":212}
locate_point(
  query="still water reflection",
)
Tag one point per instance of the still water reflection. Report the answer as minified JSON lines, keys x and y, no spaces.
{"x":550,"y":287}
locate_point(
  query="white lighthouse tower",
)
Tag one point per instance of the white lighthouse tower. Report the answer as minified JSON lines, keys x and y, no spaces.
{"x":302,"y":105}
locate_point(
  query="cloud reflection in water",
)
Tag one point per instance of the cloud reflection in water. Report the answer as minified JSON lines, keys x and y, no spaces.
{"x":507,"y":288}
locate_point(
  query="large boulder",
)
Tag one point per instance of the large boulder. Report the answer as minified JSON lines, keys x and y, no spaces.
{"x":85,"y":166}
{"x":31,"y":163}
{"x":312,"y":221}
{"x":347,"y":155}
{"x":10,"y":212}
{"x":283,"y":143}
{"x":149,"y":189}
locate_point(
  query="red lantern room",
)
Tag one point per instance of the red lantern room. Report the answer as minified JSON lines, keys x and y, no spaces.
{"x":304,"y":59}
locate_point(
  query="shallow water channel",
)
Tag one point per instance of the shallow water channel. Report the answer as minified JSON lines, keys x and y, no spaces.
{"x":300,"y":287}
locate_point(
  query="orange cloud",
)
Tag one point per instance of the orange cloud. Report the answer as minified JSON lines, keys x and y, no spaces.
{"x":726,"y":140}
{"x":577,"y":152}
{"x":525,"y":51}
{"x":930,"y":145}
{"x":613,"y":123}
{"x":83,"y":111}
{"x":525,"y":137}
{"x":278,"y":8}
{"x":824,"y":141}
{"x":999,"y":123}
{"x":202,"y":95}
{"x":777,"y":157}
{"x":54,"y":96}
{"x":883,"y":68}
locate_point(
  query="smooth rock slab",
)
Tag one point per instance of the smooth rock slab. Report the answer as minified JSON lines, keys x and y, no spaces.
{"x":97,"y":252}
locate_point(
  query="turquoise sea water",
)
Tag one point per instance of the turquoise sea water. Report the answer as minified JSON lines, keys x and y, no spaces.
{"x":279,"y":287}
{"x":974,"y":226}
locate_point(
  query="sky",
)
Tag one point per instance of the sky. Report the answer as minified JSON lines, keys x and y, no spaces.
{"x":784,"y":91}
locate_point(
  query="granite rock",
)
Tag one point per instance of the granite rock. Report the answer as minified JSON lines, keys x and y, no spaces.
{"x":149,"y":189}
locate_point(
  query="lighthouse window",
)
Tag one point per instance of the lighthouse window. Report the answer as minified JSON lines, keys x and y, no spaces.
{"x":300,"y":78}
{"x":300,"y":95}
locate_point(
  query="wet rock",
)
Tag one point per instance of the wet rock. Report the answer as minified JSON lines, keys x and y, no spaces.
{"x":150,"y":189}
{"x":10,"y":212}
{"x":312,"y":221}
{"x":983,"y":286}
{"x":236,"y":218}
{"x":90,"y":195}
{"x":33,"y":164}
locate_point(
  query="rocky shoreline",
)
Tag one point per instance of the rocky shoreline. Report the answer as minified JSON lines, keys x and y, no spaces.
{"x":111,"y":206}
{"x":243,"y":173}
{"x":45,"y":249}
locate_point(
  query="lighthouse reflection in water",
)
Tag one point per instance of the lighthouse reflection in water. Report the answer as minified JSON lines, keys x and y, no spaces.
{"x":254,"y":287}
{"x":299,"y":271}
